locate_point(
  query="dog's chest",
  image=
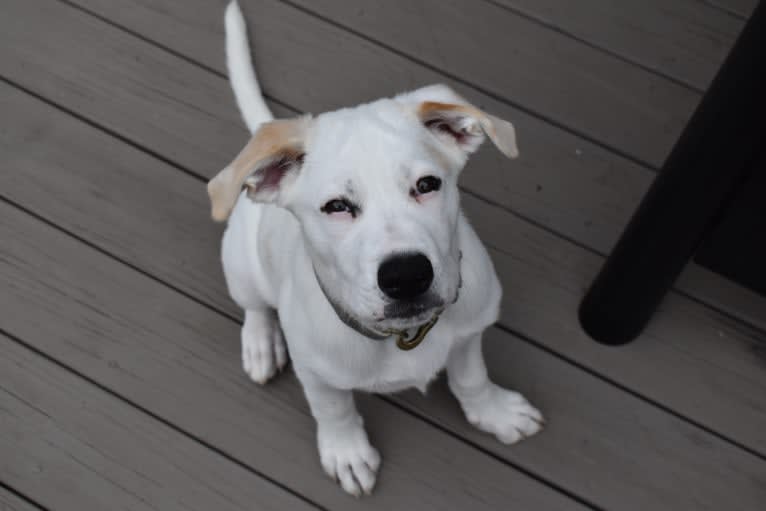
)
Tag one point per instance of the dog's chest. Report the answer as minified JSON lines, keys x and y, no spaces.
{"x":382,"y":367}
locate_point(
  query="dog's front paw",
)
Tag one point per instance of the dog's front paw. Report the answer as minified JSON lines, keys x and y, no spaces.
{"x":348,"y":457}
{"x":264,"y":352}
{"x":504,"y":413}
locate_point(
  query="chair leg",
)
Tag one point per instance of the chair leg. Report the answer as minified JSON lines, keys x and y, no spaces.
{"x":711,"y":159}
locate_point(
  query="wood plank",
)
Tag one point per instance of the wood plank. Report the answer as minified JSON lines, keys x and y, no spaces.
{"x":742,"y":8}
{"x":10,"y":502}
{"x":590,"y":420}
{"x":562,"y":183}
{"x":684,"y":39}
{"x":74,"y":446}
{"x":545,"y":72}
{"x":180,"y":361}
{"x":723,"y":294}
{"x":546,"y":277}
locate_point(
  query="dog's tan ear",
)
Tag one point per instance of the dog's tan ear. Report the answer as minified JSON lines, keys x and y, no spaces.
{"x":264,"y":167}
{"x":465,"y":125}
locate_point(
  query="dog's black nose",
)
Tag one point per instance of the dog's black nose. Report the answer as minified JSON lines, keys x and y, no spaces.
{"x":405,"y":276}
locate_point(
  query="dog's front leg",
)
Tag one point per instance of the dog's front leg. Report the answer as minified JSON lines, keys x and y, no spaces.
{"x":344,"y":450}
{"x":489,"y":407}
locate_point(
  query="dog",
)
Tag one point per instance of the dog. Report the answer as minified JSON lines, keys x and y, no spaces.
{"x":347,"y":247}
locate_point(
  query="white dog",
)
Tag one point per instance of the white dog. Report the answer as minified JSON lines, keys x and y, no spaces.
{"x":346,"y":243}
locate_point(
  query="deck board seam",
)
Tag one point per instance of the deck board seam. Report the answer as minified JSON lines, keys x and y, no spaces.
{"x":10,"y":489}
{"x":117,"y":258}
{"x":475,"y":445}
{"x":165,"y":48}
{"x":629,"y":391}
{"x":595,"y":46}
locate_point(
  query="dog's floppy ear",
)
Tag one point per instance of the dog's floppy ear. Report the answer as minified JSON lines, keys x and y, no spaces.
{"x":455,"y":121}
{"x":267,"y":163}
{"x":465,"y":125}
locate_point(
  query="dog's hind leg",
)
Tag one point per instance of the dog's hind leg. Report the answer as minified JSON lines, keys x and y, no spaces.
{"x":264,"y":352}
{"x":263,"y":345}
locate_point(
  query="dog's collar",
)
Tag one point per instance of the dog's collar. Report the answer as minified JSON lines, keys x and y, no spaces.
{"x":403,"y":340}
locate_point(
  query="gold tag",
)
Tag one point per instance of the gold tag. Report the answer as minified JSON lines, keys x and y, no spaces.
{"x":407,"y":344}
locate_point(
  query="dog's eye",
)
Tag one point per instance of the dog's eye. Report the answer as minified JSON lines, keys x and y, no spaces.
{"x":339,"y":206}
{"x":426,"y":185}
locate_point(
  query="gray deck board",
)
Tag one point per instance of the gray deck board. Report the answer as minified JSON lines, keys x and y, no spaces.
{"x":542,"y":292}
{"x":542,"y":71}
{"x":10,"y":502}
{"x":565,"y":184}
{"x":180,"y":360}
{"x":686,"y":40}
{"x":73,"y":447}
{"x":591,"y":422}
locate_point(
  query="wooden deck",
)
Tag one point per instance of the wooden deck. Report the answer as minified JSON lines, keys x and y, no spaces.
{"x":120,"y":380}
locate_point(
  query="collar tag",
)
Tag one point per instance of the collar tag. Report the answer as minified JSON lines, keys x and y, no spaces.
{"x":405,"y":344}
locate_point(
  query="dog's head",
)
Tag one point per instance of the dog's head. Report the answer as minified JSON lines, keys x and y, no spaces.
{"x":375,"y":190}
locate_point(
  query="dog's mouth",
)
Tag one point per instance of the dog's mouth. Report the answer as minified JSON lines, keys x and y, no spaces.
{"x":399,"y":317}
{"x":404,"y":315}
{"x":410,"y":310}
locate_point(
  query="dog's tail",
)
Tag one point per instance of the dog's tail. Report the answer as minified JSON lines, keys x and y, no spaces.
{"x":241,"y":73}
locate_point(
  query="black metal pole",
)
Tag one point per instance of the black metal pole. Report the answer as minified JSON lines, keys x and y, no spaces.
{"x":711,"y":158}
